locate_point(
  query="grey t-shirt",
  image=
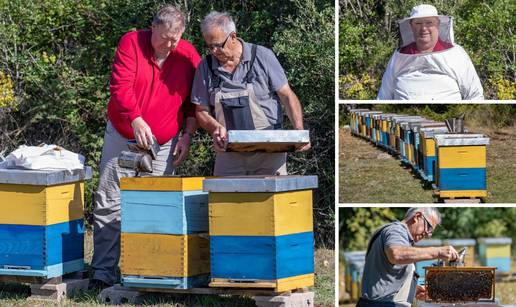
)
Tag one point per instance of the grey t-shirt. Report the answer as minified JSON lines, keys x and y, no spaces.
{"x":269,"y":77}
{"x":381,"y":280}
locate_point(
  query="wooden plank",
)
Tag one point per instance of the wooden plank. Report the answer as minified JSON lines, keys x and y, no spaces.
{"x":462,"y":193}
{"x":161,"y":183}
{"x":164,"y":255}
{"x":165,"y":282}
{"x":279,"y":285}
{"x":260,"y":214}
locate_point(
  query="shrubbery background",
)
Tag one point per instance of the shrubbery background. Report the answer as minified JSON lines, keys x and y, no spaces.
{"x":368,"y":36}
{"x":55,"y":64}
{"x":358,"y":224}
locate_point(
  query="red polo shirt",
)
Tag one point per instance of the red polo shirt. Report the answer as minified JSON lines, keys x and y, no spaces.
{"x":139,"y":87}
{"x":412,"y":48}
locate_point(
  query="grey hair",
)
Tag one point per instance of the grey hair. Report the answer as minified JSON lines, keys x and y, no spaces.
{"x":220,"y":20}
{"x":427,"y":211}
{"x":170,"y":16}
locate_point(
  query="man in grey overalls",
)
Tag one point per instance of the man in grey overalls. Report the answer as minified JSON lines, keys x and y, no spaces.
{"x":238,"y":86}
{"x":389,"y":277}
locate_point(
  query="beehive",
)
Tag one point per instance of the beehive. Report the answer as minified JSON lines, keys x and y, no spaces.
{"x":164,"y":241}
{"x":398,"y":137}
{"x":461,"y":165}
{"x":406,"y":149}
{"x":459,"y":244}
{"x":366,"y":122}
{"x":41,"y":222}
{"x":415,"y":142}
{"x":349,"y":258}
{"x":391,"y":129}
{"x":357,"y":271}
{"x":375,"y":127}
{"x":263,"y":221}
{"x":420,"y":265}
{"x":428,"y":153}
{"x":384,"y":129}
{"x":495,"y":252}
{"x":460,"y":284}
{"x":420,"y":142}
{"x":354,"y":120}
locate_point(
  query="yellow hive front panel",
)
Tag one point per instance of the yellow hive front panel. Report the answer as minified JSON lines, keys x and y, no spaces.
{"x":260,"y":214}
{"x":462,"y":157}
{"x":164,"y":255}
{"x":41,"y":205}
{"x":498,"y":251}
{"x":409,"y":152}
{"x":429,"y":147}
{"x":463,"y":193}
{"x":296,"y":282}
{"x":157,"y":183}
{"x":384,"y":126}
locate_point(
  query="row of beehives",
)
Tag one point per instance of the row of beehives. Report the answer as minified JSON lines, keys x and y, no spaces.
{"x":492,"y":252}
{"x":176,"y":232}
{"x":186,"y":232}
{"x":454,"y":163}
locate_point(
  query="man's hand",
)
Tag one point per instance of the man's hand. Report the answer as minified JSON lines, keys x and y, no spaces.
{"x":304,"y":147}
{"x":181,"y":149}
{"x":447,"y":253}
{"x":420,"y":293}
{"x":220,"y":138}
{"x":142,"y":133}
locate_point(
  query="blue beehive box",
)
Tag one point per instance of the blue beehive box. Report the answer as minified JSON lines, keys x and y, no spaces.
{"x":166,"y":205}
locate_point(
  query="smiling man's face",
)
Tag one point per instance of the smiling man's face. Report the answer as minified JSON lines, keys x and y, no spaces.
{"x":426,"y":32}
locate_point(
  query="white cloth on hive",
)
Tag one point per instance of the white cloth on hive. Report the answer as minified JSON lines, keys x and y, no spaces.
{"x":44,"y":157}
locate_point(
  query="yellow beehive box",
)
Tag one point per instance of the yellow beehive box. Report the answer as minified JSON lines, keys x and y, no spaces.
{"x":40,"y":205}
{"x":260,"y":214}
{"x":164,"y":255}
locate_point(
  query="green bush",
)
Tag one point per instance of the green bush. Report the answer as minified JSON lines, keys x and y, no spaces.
{"x":58,"y":54}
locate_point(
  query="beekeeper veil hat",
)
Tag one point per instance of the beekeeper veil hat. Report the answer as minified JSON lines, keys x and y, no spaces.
{"x":426,"y":10}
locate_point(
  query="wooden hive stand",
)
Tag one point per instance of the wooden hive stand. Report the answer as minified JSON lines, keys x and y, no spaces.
{"x":263,"y":297}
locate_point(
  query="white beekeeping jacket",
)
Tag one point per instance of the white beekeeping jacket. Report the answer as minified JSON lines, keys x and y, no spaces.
{"x":442,"y":75}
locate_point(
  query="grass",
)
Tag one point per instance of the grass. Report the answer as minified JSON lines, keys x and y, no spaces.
{"x":369,"y":175}
{"x":16,"y":294}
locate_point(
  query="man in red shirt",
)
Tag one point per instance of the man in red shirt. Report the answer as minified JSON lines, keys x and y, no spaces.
{"x":150,"y":89}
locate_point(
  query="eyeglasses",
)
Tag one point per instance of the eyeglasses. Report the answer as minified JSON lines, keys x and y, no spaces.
{"x":214,"y":47}
{"x":429,"y":227}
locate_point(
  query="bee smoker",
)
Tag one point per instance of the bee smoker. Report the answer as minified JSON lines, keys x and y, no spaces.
{"x":459,"y":262}
{"x":137,"y":158}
